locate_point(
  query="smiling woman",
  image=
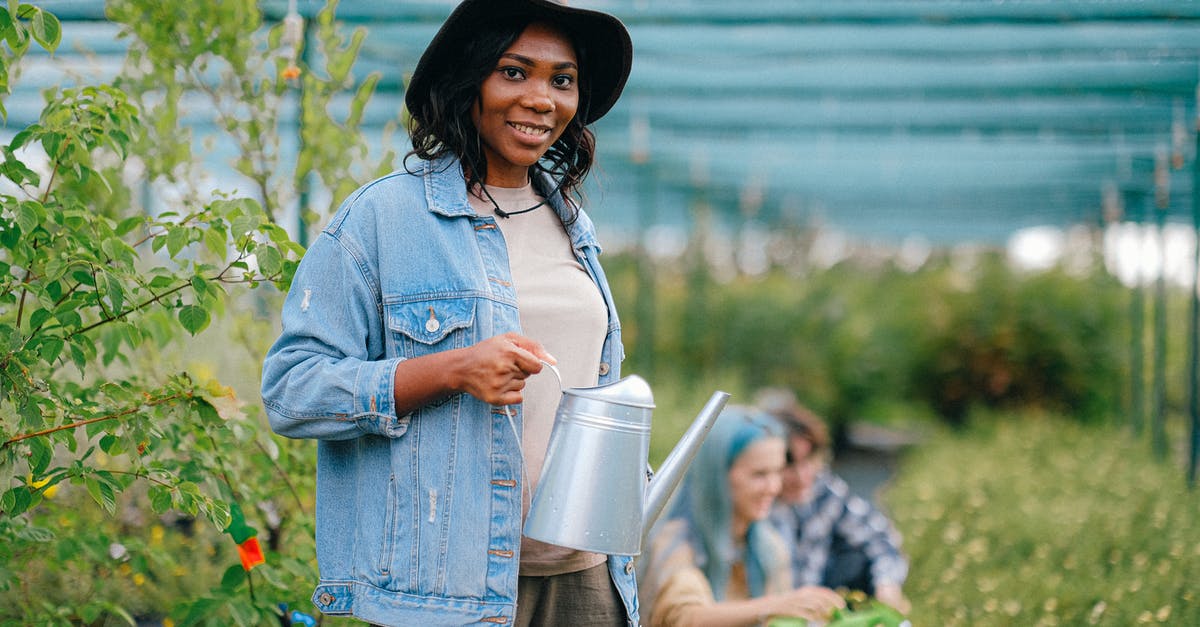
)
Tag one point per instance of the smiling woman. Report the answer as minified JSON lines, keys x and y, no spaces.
{"x":418,"y":318}
{"x":715,"y":561}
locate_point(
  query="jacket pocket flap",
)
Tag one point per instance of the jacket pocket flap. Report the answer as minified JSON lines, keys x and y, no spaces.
{"x":429,"y":322}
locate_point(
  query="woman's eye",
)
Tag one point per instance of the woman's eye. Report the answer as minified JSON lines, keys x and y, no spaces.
{"x":512,"y":72}
{"x":564,"y":81}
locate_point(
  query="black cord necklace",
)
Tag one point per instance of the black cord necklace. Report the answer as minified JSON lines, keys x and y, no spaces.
{"x":506,"y":214}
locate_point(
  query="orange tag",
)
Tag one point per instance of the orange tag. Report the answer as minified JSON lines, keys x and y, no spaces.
{"x":251,"y":553}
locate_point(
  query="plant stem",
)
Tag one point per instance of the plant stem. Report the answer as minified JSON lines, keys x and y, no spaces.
{"x":29,"y":271}
{"x":283,"y":475}
{"x":80,"y":423}
{"x":143,"y":475}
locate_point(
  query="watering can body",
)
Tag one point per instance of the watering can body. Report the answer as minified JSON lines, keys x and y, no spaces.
{"x":594,"y":493}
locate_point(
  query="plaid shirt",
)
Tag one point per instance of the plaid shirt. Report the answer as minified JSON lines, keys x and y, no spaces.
{"x":834,"y":515}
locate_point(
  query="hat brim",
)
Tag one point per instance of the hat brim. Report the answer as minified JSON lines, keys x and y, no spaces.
{"x":601,"y":37}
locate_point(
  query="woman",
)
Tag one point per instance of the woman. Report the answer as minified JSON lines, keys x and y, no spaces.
{"x":419,"y":314}
{"x":714,"y":561}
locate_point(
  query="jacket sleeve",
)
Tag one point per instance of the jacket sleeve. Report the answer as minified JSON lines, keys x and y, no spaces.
{"x":326,"y":376}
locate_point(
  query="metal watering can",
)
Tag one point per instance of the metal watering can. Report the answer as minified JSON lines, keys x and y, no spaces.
{"x":593,"y":494}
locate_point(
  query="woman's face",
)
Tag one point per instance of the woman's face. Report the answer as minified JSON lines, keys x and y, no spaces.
{"x":754,"y":479}
{"x":526,"y":103}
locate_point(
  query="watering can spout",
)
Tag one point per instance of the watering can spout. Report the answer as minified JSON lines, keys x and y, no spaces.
{"x":672,"y":470}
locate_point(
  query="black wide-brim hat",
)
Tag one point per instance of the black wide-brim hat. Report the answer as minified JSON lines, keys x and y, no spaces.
{"x":600,"y":37}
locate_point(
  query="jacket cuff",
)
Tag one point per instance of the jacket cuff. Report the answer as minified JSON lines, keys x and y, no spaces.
{"x":374,"y":399}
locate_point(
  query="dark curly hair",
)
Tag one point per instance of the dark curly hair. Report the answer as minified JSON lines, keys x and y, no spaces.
{"x":444,"y":125}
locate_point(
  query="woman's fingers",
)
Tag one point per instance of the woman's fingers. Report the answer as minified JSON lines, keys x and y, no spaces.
{"x":498,"y":367}
{"x":814,"y":602}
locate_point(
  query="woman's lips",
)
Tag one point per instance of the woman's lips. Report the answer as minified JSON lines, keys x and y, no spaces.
{"x":535,"y":132}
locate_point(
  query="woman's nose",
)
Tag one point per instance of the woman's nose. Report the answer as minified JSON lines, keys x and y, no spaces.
{"x":538,"y":99}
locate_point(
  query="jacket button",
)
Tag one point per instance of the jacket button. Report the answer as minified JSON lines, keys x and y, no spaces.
{"x":432,"y":325}
{"x":603,"y":368}
{"x":326,"y":598}
{"x":629,"y":567}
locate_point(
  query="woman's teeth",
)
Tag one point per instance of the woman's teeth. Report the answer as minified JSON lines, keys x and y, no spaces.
{"x":530,"y":130}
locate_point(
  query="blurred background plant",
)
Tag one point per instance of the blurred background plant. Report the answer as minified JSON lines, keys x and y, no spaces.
{"x":1032,"y":518}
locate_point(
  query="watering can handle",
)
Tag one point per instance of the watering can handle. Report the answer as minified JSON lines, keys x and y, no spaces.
{"x":554,"y":370}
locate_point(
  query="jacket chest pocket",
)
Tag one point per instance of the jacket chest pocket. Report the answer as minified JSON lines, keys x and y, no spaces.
{"x":425,"y":327}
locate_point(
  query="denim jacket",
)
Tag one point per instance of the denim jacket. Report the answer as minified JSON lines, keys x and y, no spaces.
{"x":418,"y":515}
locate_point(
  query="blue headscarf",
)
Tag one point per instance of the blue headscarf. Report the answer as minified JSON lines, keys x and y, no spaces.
{"x":707,"y":505}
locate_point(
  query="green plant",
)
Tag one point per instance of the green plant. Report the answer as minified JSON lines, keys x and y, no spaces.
{"x":97,"y":300}
{"x":1039,"y":520}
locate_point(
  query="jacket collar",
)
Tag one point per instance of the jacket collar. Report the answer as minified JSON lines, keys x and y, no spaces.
{"x":446,"y":195}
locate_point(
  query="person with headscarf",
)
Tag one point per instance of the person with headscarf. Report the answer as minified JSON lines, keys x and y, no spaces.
{"x":420,"y":313}
{"x":714,"y":561}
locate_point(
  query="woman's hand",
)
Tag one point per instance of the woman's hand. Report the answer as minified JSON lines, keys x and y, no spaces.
{"x":811,"y":602}
{"x":494,"y":370}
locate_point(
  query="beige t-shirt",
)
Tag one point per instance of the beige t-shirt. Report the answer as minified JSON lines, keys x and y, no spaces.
{"x":561,"y":307}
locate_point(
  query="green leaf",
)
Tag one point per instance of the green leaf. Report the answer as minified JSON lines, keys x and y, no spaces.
{"x":200,"y":610}
{"x":271,"y":575}
{"x":55,"y":268}
{"x":38,"y":317}
{"x":50,"y":349}
{"x":6,"y":25}
{"x":218,"y":512}
{"x":83,"y":277}
{"x":117,"y":250}
{"x":234,"y":576}
{"x":90,"y":612}
{"x":40,"y":453}
{"x":107,"y":442}
{"x":270,"y":262}
{"x":199,"y":286}
{"x":68,"y":318}
{"x":129,"y":224}
{"x":114,"y":291}
{"x":27,"y":218}
{"x":194,"y":318}
{"x":41,"y":535}
{"x":52,"y":142}
{"x":46,"y":29}
{"x":102,"y":493}
{"x":16,"y":501}
{"x":78,"y":357}
{"x":23,"y":137}
{"x":177,"y":239}
{"x":214,"y":239}
{"x":207,"y":412}
{"x":244,"y":224}
{"x":244,"y":613}
{"x":160,"y":498}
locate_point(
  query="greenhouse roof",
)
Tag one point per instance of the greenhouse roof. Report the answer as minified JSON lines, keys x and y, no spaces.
{"x":947,"y":119}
